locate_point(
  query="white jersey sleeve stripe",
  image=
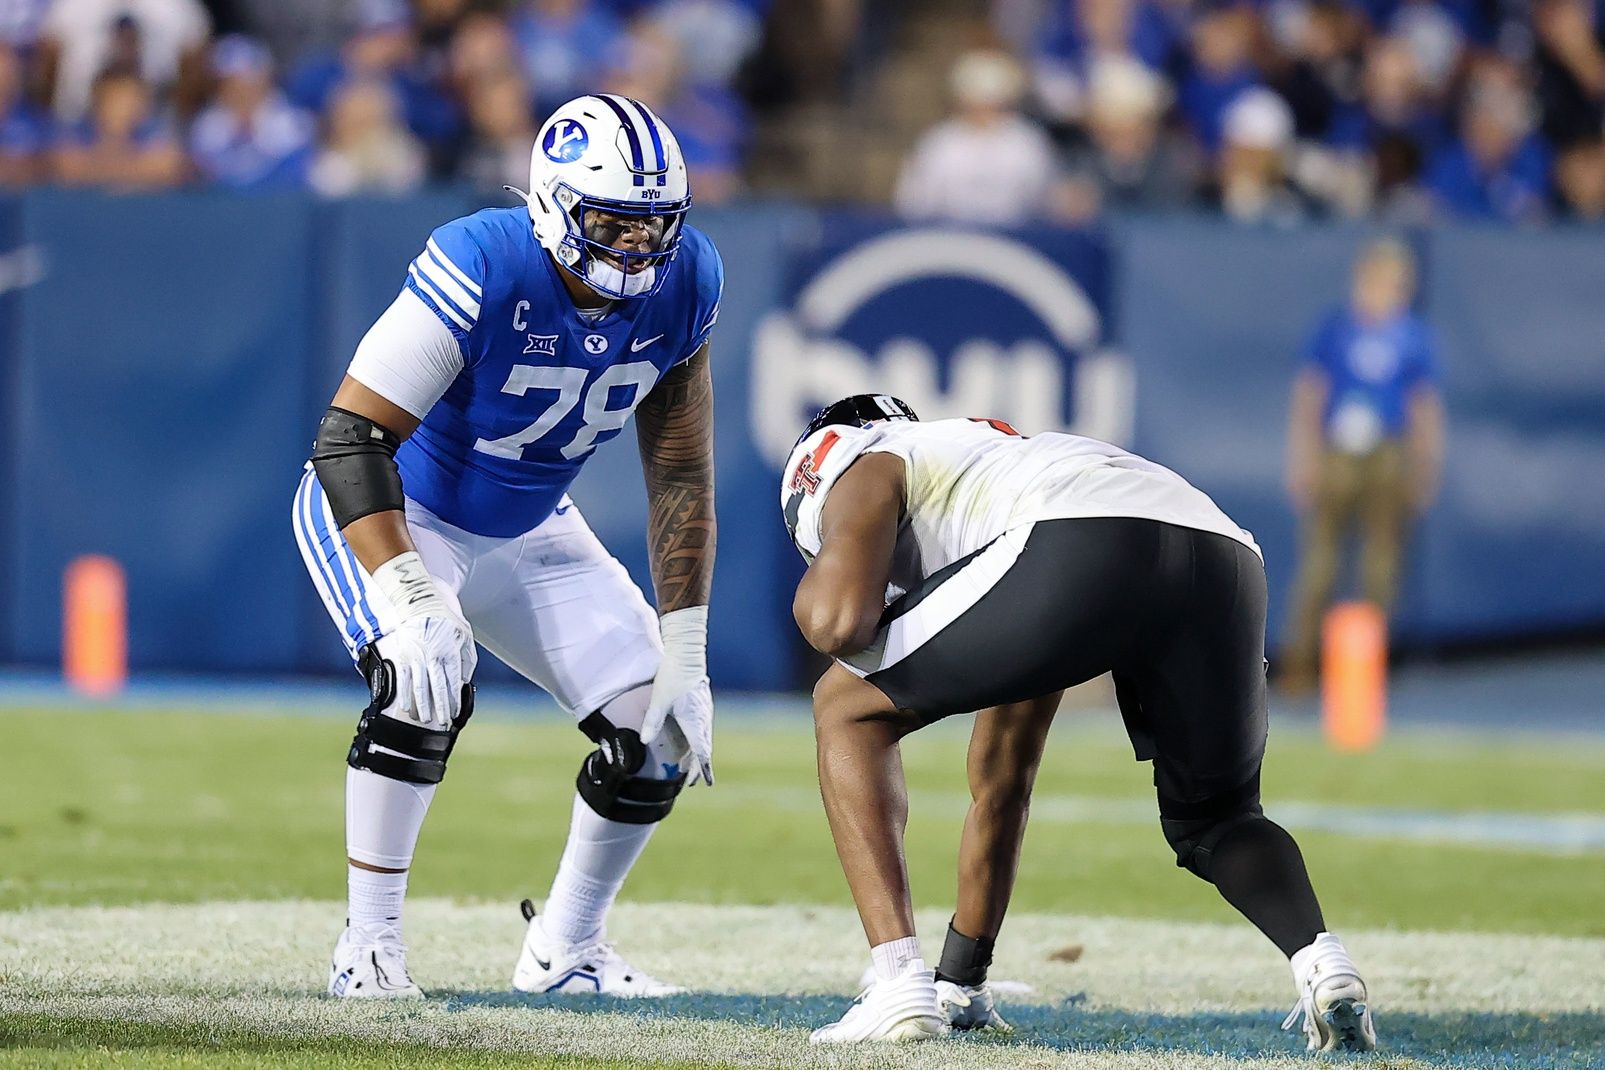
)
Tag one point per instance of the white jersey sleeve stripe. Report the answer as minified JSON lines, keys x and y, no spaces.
{"x":438,"y":299}
{"x":461,"y":276}
{"x":448,"y":286}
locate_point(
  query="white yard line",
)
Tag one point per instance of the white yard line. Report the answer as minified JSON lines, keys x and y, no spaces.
{"x":1492,"y":830}
{"x":260,"y":966}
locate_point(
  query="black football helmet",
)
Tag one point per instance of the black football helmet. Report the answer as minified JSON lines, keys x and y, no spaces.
{"x":860,"y":410}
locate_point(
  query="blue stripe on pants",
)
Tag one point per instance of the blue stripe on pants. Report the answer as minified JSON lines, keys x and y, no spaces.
{"x":315,"y":551}
{"x":350,"y":573}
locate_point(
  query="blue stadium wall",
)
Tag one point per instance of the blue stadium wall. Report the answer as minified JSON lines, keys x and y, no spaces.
{"x":166,"y":358}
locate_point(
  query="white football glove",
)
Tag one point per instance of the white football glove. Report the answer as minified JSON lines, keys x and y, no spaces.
{"x":681,"y":699}
{"x":431,"y":648}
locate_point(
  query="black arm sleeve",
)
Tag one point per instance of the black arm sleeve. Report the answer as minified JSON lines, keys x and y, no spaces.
{"x":355,"y":459}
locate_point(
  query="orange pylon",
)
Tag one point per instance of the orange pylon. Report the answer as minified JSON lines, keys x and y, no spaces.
{"x":1354,"y":676}
{"x":94,"y":639}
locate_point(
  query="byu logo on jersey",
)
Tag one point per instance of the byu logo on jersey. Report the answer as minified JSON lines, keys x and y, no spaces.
{"x":954,"y":322}
{"x":595,"y":343}
{"x":565,"y":141}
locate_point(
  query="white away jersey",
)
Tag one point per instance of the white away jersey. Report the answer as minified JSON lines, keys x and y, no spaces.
{"x":969,"y":481}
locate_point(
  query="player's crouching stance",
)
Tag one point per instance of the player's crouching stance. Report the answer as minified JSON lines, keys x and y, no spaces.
{"x":1016,"y":567}
{"x":434,"y":514}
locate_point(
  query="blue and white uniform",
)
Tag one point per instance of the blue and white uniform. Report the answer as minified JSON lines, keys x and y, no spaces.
{"x":515,"y":388}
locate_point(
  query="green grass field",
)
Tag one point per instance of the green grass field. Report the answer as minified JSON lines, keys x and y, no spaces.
{"x":171,"y":883}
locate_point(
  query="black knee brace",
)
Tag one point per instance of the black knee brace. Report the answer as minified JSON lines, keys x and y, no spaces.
{"x":1194,"y":829}
{"x":420,"y":753}
{"x":607,"y":780}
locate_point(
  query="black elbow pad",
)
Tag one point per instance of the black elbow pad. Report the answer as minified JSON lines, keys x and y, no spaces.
{"x":355,"y":459}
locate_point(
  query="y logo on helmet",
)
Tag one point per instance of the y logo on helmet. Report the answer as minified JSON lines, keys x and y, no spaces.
{"x":956,"y":323}
{"x":565,"y":142}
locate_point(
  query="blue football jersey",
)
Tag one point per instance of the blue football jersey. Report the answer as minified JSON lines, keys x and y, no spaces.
{"x":1371,"y":369}
{"x":542,"y":384}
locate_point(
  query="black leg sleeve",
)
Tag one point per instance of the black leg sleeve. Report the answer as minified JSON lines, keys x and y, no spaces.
{"x":1259,"y":870}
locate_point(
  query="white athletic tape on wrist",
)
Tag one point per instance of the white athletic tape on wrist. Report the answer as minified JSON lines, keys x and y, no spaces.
{"x":409,"y":588}
{"x":685,"y":639}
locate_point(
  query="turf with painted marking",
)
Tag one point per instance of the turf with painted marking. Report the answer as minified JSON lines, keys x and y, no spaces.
{"x":125,"y":809}
{"x":1139,"y":994}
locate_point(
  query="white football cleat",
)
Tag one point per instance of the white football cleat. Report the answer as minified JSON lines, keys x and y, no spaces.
{"x":903,"y":1008}
{"x":1332,"y":999}
{"x":370,"y":962}
{"x":546,"y":965}
{"x":970,"y":1007}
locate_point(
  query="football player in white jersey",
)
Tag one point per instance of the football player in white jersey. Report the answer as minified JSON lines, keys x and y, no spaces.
{"x":956,"y":566}
{"x":434,"y":513}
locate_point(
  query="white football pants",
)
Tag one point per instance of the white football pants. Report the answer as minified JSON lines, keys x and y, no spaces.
{"x":552,"y":603}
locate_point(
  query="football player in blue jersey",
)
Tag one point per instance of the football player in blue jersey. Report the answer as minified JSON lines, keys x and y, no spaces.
{"x":434,"y":515}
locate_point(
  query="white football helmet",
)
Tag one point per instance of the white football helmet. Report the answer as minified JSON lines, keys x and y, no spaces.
{"x":602,"y":165}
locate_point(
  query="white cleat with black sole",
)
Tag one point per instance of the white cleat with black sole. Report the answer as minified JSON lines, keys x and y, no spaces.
{"x":546,"y":965}
{"x":1333,"y":1002}
{"x":370,"y":962}
{"x":970,"y":1008}
{"x":901,"y":1009}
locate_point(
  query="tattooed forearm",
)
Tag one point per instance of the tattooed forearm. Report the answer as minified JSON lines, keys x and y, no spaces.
{"x":675,"y":428}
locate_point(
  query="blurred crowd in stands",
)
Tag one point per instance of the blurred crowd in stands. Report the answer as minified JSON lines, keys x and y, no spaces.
{"x":345,"y":96}
{"x":1272,"y":111}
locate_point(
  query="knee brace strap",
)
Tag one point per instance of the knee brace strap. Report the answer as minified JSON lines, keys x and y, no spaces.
{"x":394,"y":748}
{"x":607,"y":780}
{"x":1194,"y":829}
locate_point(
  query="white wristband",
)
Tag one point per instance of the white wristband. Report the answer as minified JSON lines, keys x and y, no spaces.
{"x":409,"y":588}
{"x":685,"y":639}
